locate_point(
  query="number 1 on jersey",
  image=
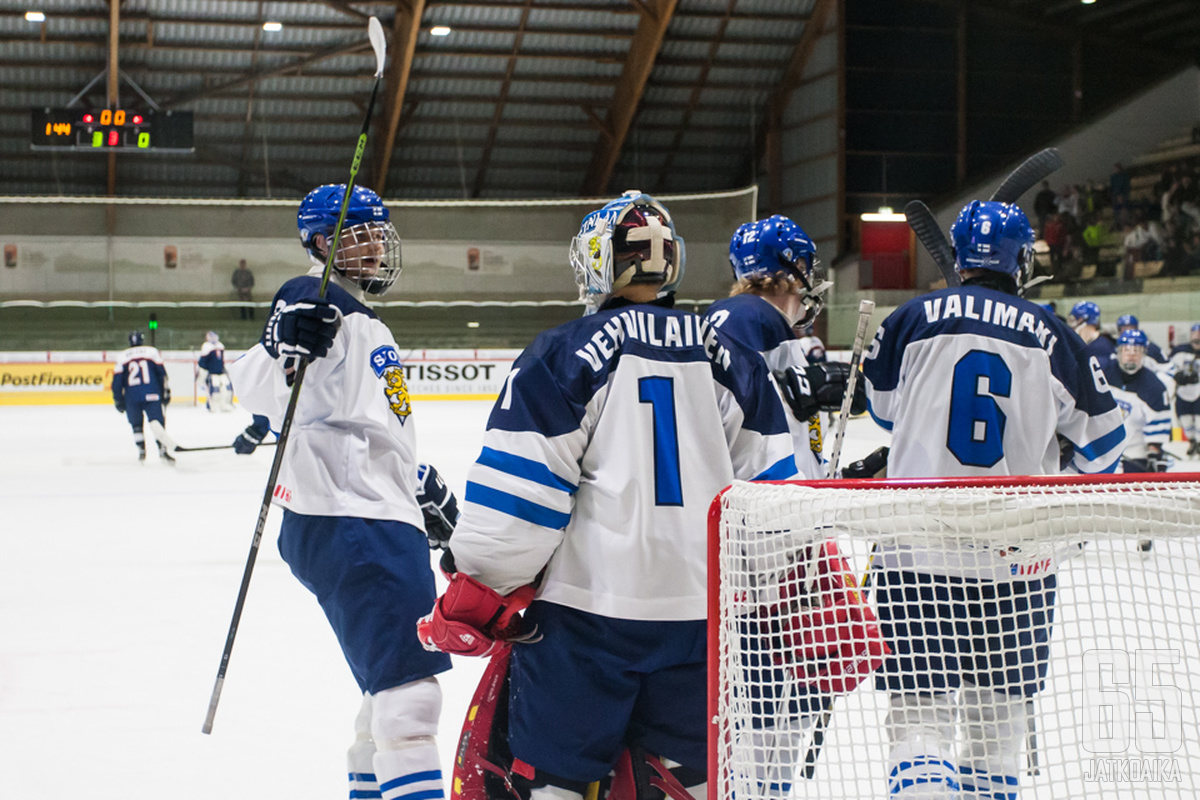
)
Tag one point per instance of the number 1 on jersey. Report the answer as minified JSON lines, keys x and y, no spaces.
{"x":659,"y":392}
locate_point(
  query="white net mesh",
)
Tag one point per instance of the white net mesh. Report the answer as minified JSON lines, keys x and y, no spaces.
{"x":1036,"y":650}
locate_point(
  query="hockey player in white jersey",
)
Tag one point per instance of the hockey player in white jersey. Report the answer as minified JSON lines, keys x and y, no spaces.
{"x":975,"y":381}
{"x":1185,"y":370}
{"x":218,"y":391}
{"x":611,"y":435}
{"x":352,"y":526}
{"x":1145,"y":401}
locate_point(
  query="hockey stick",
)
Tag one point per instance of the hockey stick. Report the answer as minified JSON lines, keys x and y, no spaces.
{"x":218,"y":447}
{"x":865,"y":308}
{"x":1034,"y":169}
{"x":921,"y":220}
{"x":379,"y":44}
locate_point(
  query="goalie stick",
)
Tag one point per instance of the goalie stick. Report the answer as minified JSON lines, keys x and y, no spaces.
{"x":379,"y":45}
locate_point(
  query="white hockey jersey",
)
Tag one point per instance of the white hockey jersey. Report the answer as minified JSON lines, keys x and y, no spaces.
{"x":972,"y":381}
{"x":351,"y":450}
{"x":1184,"y":358}
{"x":1145,"y":402}
{"x":755,"y":323}
{"x":611,"y":435}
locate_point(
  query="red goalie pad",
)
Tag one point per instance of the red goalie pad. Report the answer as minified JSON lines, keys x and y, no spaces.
{"x":827,"y":633}
{"x":482,"y":760}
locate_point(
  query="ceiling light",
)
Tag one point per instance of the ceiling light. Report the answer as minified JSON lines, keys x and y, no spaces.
{"x":472,"y":324}
{"x":439,"y":30}
{"x":35,"y":16}
{"x":1087,"y":2}
{"x":272,"y":26}
{"x":884,"y":214}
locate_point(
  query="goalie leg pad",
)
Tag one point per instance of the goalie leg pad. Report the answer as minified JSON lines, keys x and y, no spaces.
{"x":921,"y":761}
{"x":993,"y":726}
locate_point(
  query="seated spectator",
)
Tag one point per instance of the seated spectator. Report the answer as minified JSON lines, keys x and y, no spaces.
{"x":1191,"y":255}
{"x":1068,"y":202}
{"x":1044,"y":205}
{"x":1144,"y":241}
{"x":1095,"y":236}
{"x":1058,"y":240}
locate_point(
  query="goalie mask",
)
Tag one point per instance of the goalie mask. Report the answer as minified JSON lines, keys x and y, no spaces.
{"x":993,"y":236}
{"x":1131,"y":350}
{"x":368,"y":252}
{"x":631,"y":240}
{"x":767,"y":247}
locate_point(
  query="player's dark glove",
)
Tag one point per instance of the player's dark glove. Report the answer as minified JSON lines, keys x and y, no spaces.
{"x":868,"y":467}
{"x":302,"y":331}
{"x":166,"y":396}
{"x":438,"y":506}
{"x":120,"y":404}
{"x":819,"y":387}
{"x":250,"y":438}
{"x":1187,"y":377}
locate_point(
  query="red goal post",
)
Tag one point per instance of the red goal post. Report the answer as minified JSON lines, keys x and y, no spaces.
{"x":1111,"y":721}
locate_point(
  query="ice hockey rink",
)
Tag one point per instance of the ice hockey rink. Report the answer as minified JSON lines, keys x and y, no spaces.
{"x":117,"y":581}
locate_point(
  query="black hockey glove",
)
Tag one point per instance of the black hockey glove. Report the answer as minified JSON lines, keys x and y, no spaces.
{"x":120,"y":404}
{"x":249,"y":439}
{"x":819,"y":387}
{"x":166,"y":396}
{"x":868,"y":467}
{"x":302,"y":331}
{"x":1187,"y":376}
{"x":438,"y":506}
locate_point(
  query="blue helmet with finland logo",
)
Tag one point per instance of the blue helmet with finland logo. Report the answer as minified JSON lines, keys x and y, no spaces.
{"x":993,"y":236}
{"x":630,"y":240}
{"x":368,"y":247}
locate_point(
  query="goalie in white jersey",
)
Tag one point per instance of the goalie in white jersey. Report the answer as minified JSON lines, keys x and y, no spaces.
{"x":975,"y":381}
{"x":610,"y":438}
{"x":352,"y":525}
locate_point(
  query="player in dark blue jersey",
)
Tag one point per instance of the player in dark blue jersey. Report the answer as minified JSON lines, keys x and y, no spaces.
{"x":218,"y":389}
{"x":1185,"y":369}
{"x":1085,"y":320}
{"x":1155,"y":358}
{"x":611,"y":435}
{"x":140,"y":389}
{"x":975,"y":381}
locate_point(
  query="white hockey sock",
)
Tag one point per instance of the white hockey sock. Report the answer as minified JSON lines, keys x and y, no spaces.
{"x":553,"y":793}
{"x":412,"y":772}
{"x":921,"y":762}
{"x":994,"y":726}
{"x":360,"y":765}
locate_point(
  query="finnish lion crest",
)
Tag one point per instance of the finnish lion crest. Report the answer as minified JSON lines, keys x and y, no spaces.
{"x":386,"y":365}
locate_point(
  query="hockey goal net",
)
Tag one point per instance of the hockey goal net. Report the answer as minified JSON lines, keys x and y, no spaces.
{"x":1028,"y":584}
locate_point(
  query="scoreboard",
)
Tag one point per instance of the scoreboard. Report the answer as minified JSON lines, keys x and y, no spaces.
{"x":111,"y":130}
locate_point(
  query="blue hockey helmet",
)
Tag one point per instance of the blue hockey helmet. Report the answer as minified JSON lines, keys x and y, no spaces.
{"x":1127,"y":321}
{"x":1084,"y":312}
{"x":368,"y":247}
{"x":993,"y":236}
{"x":137,"y":339}
{"x":630,"y":240}
{"x":1131,"y":349}
{"x":1195,"y":333}
{"x":767,"y":247}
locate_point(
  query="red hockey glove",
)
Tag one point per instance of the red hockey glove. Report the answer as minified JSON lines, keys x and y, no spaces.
{"x":471,"y":619}
{"x":831,"y":638}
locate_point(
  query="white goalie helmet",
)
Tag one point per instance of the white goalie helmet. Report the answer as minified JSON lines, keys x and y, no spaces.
{"x":630,"y":240}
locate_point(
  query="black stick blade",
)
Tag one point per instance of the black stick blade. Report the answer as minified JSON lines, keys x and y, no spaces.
{"x":1033,"y":171}
{"x":921,"y":220}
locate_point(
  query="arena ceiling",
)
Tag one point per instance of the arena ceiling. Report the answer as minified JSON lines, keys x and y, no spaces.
{"x":520,"y":98}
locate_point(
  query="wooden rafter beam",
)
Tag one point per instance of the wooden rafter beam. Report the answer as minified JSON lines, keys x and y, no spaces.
{"x":498,"y":113}
{"x":766,"y":139}
{"x":405,"y":27}
{"x":643,"y":51}
{"x":254,"y":75}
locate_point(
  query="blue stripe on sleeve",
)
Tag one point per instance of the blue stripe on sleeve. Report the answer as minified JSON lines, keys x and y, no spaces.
{"x":515,"y":506}
{"x":525,"y":468}
{"x":883,"y":423}
{"x":1099,"y":447}
{"x":781,"y":470}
